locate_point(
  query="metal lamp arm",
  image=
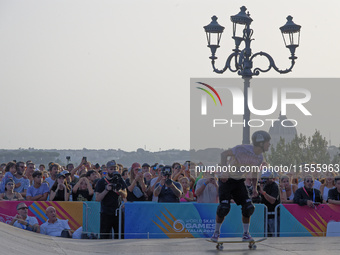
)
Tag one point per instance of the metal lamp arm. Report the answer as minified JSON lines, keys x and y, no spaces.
{"x":227,"y":64}
{"x":271,"y":64}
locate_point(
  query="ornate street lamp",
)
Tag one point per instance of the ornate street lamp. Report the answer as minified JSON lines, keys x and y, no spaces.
{"x":243,"y":59}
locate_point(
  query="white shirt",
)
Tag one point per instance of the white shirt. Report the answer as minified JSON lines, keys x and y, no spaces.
{"x":54,"y":229}
{"x":29,"y":219}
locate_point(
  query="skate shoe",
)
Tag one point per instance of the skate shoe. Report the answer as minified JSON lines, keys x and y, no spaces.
{"x":215,"y":237}
{"x":247,"y":237}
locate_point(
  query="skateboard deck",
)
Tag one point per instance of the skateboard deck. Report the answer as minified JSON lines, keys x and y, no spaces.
{"x":251,"y":244}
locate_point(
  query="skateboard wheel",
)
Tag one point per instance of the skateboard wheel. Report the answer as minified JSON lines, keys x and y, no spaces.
{"x":219,"y":247}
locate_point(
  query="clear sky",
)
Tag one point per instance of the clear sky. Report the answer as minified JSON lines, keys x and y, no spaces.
{"x":116,"y":74}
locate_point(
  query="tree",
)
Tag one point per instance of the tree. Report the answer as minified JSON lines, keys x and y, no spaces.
{"x":301,"y":150}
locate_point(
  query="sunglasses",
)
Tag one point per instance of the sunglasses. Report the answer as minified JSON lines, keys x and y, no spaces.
{"x":23,"y":208}
{"x":309,"y":181}
{"x":10,"y":183}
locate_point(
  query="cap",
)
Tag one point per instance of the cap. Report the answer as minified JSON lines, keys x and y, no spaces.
{"x":267,"y":175}
{"x":89,"y":173}
{"x":65,"y":172}
{"x":135,"y":165}
{"x":111,"y":163}
{"x":9,"y":180}
{"x":36,"y":173}
{"x":145,"y":165}
{"x":61,"y":175}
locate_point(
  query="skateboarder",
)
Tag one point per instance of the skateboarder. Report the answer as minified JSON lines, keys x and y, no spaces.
{"x":232,"y":186}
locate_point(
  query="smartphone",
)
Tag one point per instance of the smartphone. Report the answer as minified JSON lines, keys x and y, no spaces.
{"x":85,"y":159}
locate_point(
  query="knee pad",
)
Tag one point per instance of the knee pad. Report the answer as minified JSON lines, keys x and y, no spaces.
{"x":248,"y":209}
{"x":223,"y":209}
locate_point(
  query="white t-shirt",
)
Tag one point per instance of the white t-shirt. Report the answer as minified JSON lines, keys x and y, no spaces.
{"x":29,"y":219}
{"x":209,"y":194}
{"x":54,"y":229}
{"x":316,"y":185}
{"x":50,"y":182}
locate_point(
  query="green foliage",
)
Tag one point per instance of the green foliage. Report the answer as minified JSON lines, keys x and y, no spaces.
{"x":300,"y":150}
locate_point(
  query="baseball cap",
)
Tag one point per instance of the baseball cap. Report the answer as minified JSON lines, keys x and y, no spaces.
{"x":145,"y":165}
{"x":135,"y":165}
{"x":61,"y":175}
{"x":267,"y":175}
{"x":36,"y":173}
{"x":65,"y":172}
{"x":111,"y":163}
{"x":9,"y":180}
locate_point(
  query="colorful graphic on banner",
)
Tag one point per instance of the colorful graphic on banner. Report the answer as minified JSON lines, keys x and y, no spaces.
{"x":71,"y":211}
{"x":172,"y":220}
{"x":298,"y":220}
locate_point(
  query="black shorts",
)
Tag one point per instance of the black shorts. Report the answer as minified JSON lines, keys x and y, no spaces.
{"x":233,"y":189}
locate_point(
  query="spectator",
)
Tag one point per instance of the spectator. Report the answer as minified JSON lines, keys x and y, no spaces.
{"x":125,"y":174}
{"x":10,"y":194}
{"x":110,"y":191}
{"x":176,"y":170}
{"x":147,"y":178}
{"x":187,"y":195}
{"x":29,"y":171}
{"x":92,"y":176}
{"x":120,"y":168}
{"x":328,"y":185}
{"x":308,"y":195}
{"x":22,"y":220}
{"x":41,"y":167}
{"x":22,"y":183}
{"x":270,"y":196}
{"x":45,"y":175}
{"x":334,"y":194}
{"x":167,"y":190}
{"x":1,"y":175}
{"x":146,"y":168}
{"x":10,"y":170}
{"x":39,"y":191}
{"x":54,"y":169}
{"x":287,"y":190}
{"x":135,"y":184}
{"x":54,"y":226}
{"x":207,"y":189}
{"x":316,"y":183}
{"x":153,"y":182}
{"x":83,"y":190}
{"x":74,"y":179}
{"x":60,"y":190}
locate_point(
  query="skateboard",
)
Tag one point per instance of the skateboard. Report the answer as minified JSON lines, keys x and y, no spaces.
{"x":251,"y":245}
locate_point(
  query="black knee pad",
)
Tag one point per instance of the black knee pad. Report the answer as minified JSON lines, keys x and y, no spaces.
{"x":248,"y":209}
{"x":223,"y":209}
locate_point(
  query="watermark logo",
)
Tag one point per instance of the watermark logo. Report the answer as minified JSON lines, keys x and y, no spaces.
{"x":204,"y":97}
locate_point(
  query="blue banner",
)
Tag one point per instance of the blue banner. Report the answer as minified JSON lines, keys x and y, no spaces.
{"x":179,"y":220}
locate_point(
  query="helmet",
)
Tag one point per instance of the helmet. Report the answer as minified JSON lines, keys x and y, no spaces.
{"x":260,"y":137}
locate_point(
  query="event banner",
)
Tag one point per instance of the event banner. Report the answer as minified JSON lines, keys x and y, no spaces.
{"x":71,"y":211}
{"x":173,"y":220}
{"x":298,"y":220}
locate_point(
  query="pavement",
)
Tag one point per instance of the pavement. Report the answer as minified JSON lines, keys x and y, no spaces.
{"x":18,"y":241}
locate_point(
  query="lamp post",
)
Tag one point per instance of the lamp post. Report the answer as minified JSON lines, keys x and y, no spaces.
{"x":241,"y":61}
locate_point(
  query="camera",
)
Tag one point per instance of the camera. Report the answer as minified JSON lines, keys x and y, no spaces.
{"x":68,"y":158}
{"x":166,"y":171}
{"x":85,"y":159}
{"x":115,"y":182}
{"x":168,"y":182}
{"x":140,"y":170}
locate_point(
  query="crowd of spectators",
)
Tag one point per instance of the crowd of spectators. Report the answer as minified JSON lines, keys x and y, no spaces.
{"x":112,"y":184}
